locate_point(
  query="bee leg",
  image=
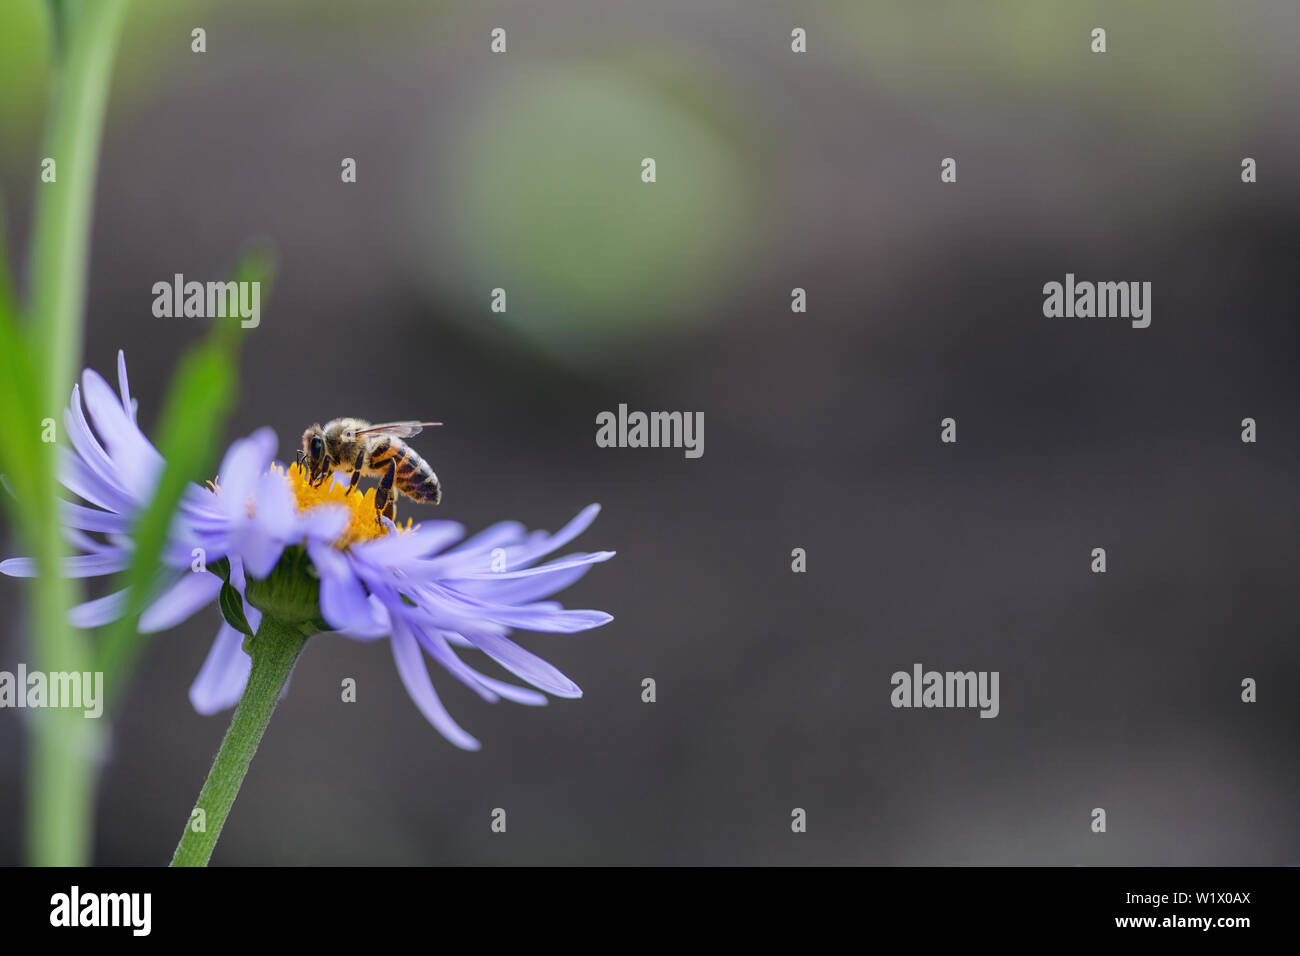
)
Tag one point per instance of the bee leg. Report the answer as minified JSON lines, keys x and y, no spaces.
{"x":356,"y":472}
{"x":385,"y":497}
{"x":326,"y":470}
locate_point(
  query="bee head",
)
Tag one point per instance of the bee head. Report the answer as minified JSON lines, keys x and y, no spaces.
{"x":312,"y":456}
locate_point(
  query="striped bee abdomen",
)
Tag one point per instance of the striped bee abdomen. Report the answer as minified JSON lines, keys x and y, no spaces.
{"x":415,"y":477}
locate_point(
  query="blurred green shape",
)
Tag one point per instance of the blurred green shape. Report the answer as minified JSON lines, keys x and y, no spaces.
{"x":26,"y":50}
{"x":1167,"y":59}
{"x":20,"y":452}
{"x":198,"y":402}
{"x":65,"y":746}
{"x":8,"y":294}
{"x":549,"y":204}
{"x":34,"y":35}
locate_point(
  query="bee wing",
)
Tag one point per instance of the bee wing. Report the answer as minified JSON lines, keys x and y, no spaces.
{"x":397,"y":429}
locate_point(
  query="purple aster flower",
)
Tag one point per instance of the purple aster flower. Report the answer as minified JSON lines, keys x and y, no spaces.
{"x":416,"y":586}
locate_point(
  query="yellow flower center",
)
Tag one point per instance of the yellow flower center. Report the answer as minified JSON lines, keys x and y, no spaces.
{"x":362,"y":525}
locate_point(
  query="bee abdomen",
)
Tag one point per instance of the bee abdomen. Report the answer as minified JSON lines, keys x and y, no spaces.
{"x":416,"y":479}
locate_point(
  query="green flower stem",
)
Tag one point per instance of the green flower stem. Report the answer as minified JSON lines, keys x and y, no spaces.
{"x":61,"y":231}
{"x":65,"y":745}
{"x":274,"y":650}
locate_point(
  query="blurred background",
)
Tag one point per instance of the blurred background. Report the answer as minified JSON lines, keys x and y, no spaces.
{"x":775,"y":170}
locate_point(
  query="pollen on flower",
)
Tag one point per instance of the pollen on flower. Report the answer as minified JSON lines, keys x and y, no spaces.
{"x":361,"y":505}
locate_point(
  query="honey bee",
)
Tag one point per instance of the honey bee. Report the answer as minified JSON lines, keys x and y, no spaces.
{"x":365,"y":449}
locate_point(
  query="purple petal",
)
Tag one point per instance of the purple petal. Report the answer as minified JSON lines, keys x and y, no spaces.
{"x":138,"y":462}
{"x":410,"y":666}
{"x":570,"y":562}
{"x":498,"y":535}
{"x":434,"y":606}
{"x":548,"y":618}
{"x":124,"y":387}
{"x":100,"y":611}
{"x":520,"y":695}
{"x":84,"y":440}
{"x":524,"y":590}
{"x":343,"y":601}
{"x":194,"y":590}
{"x":92,"y":519}
{"x":440,"y":651}
{"x":581,"y":522}
{"x":245,"y":460}
{"x":80,"y":566}
{"x":382,"y":623}
{"x":524,"y":664}
{"x":222,"y":678}
{"x":258,"y":551}
{"x":324,"y":522}
{"x":408,"y":546}
{"x":178,"y":551}
{"x":201,"y":504}
{"x":84,"y":542}
{"x":542,"y":616}
{"x":276,"y":508}
{"x":83,"y":481}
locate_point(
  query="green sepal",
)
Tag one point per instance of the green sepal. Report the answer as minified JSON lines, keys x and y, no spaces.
{"x":221,"y":568}
{"x":232,"y":609}
{"x":290,"y":593}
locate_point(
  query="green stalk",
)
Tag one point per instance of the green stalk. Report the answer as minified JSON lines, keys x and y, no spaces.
{"x":61,"y":232}
{"x":65,"y":745}
{"x":274,"y":651}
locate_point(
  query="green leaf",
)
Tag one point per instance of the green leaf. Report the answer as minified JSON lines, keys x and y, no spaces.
{"x":60,"y":14}
{"x":232,"y":609}
{"x":65,"y":749}
{"x":8,"y":298}
{"x":21,"y":454}
{"x":199,"y":399}
{"x":194,"y":413}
